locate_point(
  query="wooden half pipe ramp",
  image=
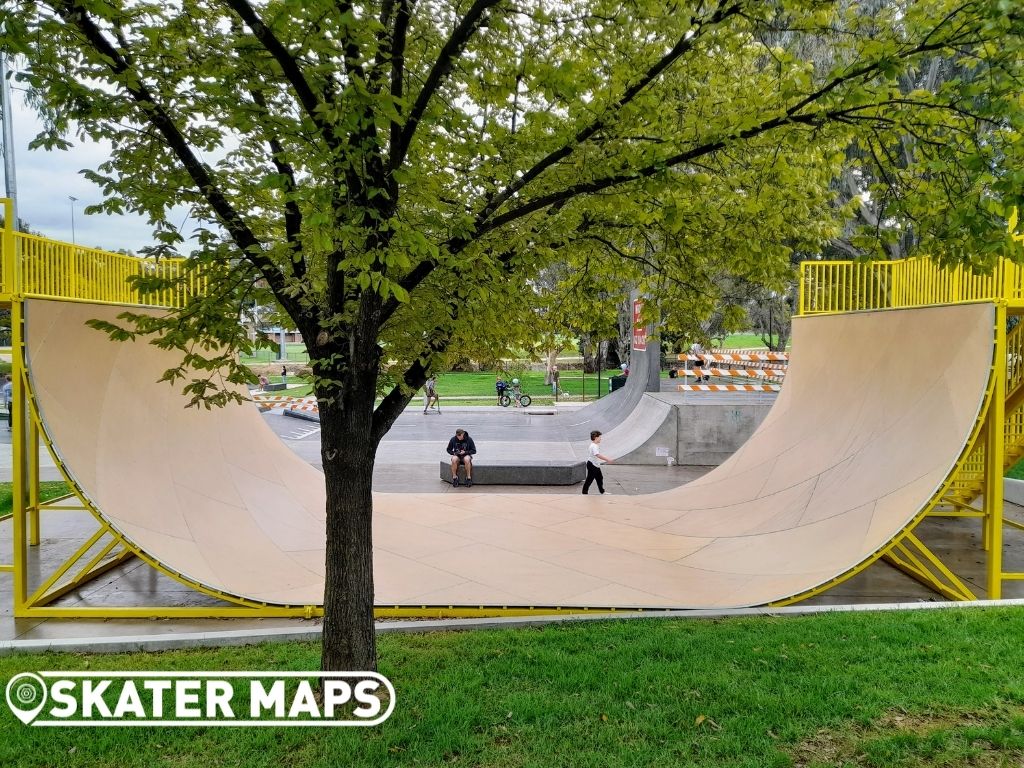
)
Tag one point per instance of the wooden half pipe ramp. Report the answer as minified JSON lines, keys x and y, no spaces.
{"x":877,"y":409}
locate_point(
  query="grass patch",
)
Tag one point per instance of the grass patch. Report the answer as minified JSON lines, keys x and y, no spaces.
{"x":1017,"y":471}
{"x":991,"y":738}
{"x":740,"y":692}
{"x":47,"y":490}
{"x":743,"y":341}
{"x":453,"y":385}
{"x":296,"y":354}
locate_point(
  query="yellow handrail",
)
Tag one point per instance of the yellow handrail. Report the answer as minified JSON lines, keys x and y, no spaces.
{"x":829,"y":287}
{"x":56,"y":270}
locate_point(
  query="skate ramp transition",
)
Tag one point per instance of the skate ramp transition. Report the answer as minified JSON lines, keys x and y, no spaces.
{"x":615,"y":407}
{"x":875,"y":412}
{"x":693,"y":428}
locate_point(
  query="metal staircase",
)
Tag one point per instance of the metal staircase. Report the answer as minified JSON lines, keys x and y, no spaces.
{"x":969,"y":482}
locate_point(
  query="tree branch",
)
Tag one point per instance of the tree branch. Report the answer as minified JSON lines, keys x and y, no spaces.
{"x":74,"y":15}
{"x":398,"y":74}
{"x":292,"y":214}
{"x":682,"y":46}
{"x":790,"y":117}
{"x":452,"y":50}
{"x":391,"y":407}
{"x":289,"y":65}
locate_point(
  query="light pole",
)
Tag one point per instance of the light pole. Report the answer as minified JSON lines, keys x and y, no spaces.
{"x":73,"y":201}
{"x":6,"y":111}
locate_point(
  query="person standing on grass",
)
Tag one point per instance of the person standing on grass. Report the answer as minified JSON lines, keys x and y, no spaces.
{"x":554,"y":381}
{"x":7,"y":392}
{"x":462,"y":449}
{"x":431,"y":389}
{"x":594,"y":464}
{"x":500,"y":386}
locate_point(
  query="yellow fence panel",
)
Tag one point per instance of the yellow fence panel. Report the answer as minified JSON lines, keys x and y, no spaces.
{"x":829,"y":287}
{"x":57,"y":270}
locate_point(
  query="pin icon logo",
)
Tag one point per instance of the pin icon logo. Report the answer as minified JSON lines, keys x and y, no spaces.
{"x":26,"y":696}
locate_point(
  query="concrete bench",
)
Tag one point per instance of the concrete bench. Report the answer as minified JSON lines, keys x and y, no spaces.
{"x":276,"y":387}
{"x":540,"y":472}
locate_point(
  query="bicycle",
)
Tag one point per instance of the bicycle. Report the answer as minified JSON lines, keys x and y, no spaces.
{"x":509,"y":395}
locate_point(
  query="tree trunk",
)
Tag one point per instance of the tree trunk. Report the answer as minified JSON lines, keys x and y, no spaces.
{"x":348,"y":452}
{"x":552,"y":359}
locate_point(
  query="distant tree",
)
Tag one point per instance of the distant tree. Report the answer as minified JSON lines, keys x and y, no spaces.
{"x":771,"y":317}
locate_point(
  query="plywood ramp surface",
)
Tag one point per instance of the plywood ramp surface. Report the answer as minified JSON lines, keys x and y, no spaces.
{"x":876,"y":409}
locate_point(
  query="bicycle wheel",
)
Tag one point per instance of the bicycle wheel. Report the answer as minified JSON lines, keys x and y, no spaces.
{"x":525,"y":400}
{"x":505,"y":401}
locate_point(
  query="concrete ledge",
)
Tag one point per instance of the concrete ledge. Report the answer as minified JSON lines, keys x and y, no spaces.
{"x":276,"y":387}
{"x":550,"y":472}
{"x":304,"y":415}
{"x":1013,"y":491}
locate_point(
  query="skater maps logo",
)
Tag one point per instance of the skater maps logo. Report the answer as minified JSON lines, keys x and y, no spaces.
{"x":95,"y":699}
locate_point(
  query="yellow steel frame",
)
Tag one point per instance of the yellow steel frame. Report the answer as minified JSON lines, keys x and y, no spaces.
{"x":29,"y":267}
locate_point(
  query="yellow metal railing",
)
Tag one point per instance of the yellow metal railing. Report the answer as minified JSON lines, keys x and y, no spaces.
{"x":1015,"y":359}
{"x":828,"y":287}
{"x":44,"y":268}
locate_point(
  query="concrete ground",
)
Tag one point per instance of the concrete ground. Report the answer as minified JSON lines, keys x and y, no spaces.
{"x":408,"y":461}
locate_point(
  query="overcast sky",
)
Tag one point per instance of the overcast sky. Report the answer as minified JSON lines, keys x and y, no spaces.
{"x":47,"y":179}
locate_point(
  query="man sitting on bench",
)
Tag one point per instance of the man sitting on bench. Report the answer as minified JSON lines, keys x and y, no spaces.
{"x":461,"y":448}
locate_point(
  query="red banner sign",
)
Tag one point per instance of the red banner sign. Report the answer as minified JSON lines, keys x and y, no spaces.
{"x":639,"y":328}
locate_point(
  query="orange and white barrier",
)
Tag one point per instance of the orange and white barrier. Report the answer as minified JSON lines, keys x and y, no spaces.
{"x":729,"y":387}
{"x":270,"y":402}
{"x":747,"y":357}
{"x":750,"y":373}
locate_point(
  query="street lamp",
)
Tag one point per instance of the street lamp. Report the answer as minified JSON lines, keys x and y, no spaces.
{"x":6,"y":118}
{"x":73,"y":201}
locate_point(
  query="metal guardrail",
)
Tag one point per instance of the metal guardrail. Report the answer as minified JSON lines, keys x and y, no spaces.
{"x":829,"y":287}
{"x":34,"y":266}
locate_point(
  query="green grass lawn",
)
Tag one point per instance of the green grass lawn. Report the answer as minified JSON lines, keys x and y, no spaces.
{"x":903,"y":690}
{"x":47,"y":490}
{"x":296,"y":354}
{"x":452,"y":386}
{"x":743,"y":341}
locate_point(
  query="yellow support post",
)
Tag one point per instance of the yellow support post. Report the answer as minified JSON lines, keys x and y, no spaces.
{"x":994,"y":448}
{"x":33,"y":481}
{"x":18,"y":498}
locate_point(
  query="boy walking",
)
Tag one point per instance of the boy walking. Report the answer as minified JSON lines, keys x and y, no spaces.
{"x":594,"y":464}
